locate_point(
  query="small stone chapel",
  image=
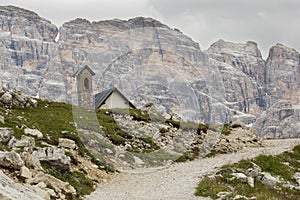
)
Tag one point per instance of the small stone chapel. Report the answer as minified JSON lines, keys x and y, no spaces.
{"x":107,"y":99}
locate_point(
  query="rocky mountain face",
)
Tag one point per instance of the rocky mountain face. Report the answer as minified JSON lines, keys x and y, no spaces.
{"x":150,"y":63}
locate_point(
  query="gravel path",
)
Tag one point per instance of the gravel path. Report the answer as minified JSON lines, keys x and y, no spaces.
{"x":178,"y":181}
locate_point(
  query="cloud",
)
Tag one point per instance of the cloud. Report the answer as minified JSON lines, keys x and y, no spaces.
{"x":266,"y":22}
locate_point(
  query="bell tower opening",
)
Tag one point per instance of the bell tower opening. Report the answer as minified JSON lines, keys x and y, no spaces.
{"x":86,"y":84}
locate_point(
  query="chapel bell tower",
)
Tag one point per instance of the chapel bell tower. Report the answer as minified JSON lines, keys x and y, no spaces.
{"x":84,"y":79}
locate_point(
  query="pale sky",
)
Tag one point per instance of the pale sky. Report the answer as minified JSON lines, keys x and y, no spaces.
{"x":266,"y":22}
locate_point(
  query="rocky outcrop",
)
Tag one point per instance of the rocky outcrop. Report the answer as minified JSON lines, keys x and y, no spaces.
{"x":16,"y":98}
{"x":10,"y":160}
{"x":55,"y":157}
{"x":9,"y":190}
{"x":5,"y":135}
{"x":283,"y":74}
{"x":33,"y":132}
{"x":280,"y":121}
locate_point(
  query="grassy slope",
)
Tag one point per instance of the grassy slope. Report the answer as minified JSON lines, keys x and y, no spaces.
{"x":51,"y":119}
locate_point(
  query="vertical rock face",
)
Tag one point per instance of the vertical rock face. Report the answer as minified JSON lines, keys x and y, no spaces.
{"x":149,"y":62}
{"x":283,"y":73}
{"x":29,"y":56}
{"x":242,"y":68}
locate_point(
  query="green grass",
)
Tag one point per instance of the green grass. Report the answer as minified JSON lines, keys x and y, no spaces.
{"x":189,"y":155}
{"x":78,"y":180}
{"x":210,"y":188}
{"x":275,"y":165}
{"x":226,"y":130}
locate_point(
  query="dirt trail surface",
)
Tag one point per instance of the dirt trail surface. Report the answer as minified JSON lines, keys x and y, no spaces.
{"x":178,"y":181}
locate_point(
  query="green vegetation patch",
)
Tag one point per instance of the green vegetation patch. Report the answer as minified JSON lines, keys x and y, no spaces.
{"x":284,"y":165}
{"x":78,"y":180}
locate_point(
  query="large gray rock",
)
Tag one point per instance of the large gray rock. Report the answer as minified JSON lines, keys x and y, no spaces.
{"x":33,"y":132}
{"x":269,"y":180}
{"x":66,"y":143}
{"x":54,"y":156}
{"x":280,"y":121}
{"x":6,"y":98}
{"x":5,"y":135}
{"x":26,"y":143}
{"x":58,"y":185}
{"x":11,"y":160}
{"x":9,"y":190}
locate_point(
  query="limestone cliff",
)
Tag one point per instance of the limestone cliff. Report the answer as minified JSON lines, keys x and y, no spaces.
{"x":149,"y":62}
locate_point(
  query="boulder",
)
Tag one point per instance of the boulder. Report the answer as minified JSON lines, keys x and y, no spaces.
{"x":254,"y":172}
{"x":27,"y":143}
{"x":297,"y":177}
{"x":267,"y":179}
{"x":9,"y":190}
{"x":55,"y":157}
{"x":5,"y":135}
{"x":6,"y":98}
{"x":240,"y":176}
{"x":11,"y":160}
{"x":33,"y":132}
{"x":25,"y":172}
{"x":31,"y":161}
{"x":66,"y":143}
{"x":58,"y":185}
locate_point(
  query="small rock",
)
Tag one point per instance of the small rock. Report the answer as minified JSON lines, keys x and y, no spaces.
{"x":2,"y":119}
{"x":31,"y":161}
{"x":66,"y":143}
{"x":240,"y":176}
{"x":5,"y":135}
{"x":268,"y":179}
{"x":254,"y":172}
{"x":6,"y":98}
{"x":25,"y":172}
{"x":239,"y":197}
{"x":138,"y":161}
{"x":11,"y":160}
{"x":297,"y":177}
{"x":224,"y":195}
{"x":33,"y":102}
{"x":109,"y":151}
{"x":33,"y":132}
{"x":250,"y":181}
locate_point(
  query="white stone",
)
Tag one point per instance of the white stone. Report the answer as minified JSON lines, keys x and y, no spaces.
{"x":56,"y":184}
{"x":5,"y":135}
{"x":10,"y":190}
{"x":11,"y":160}
{"x":250,"y":181}
{"x":66,"y":143}
{"x":6,"y":98}
{"x":109,"y":151}
{"x":33,"y":132}
{"x":2,"y":119}
{"x":138,"y":161}
{"x":55,"y":157}
{"x":268,"y":179}
{"x":297,"y":177}
{"x":240,"y":176}
{"x":25,"y":172}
